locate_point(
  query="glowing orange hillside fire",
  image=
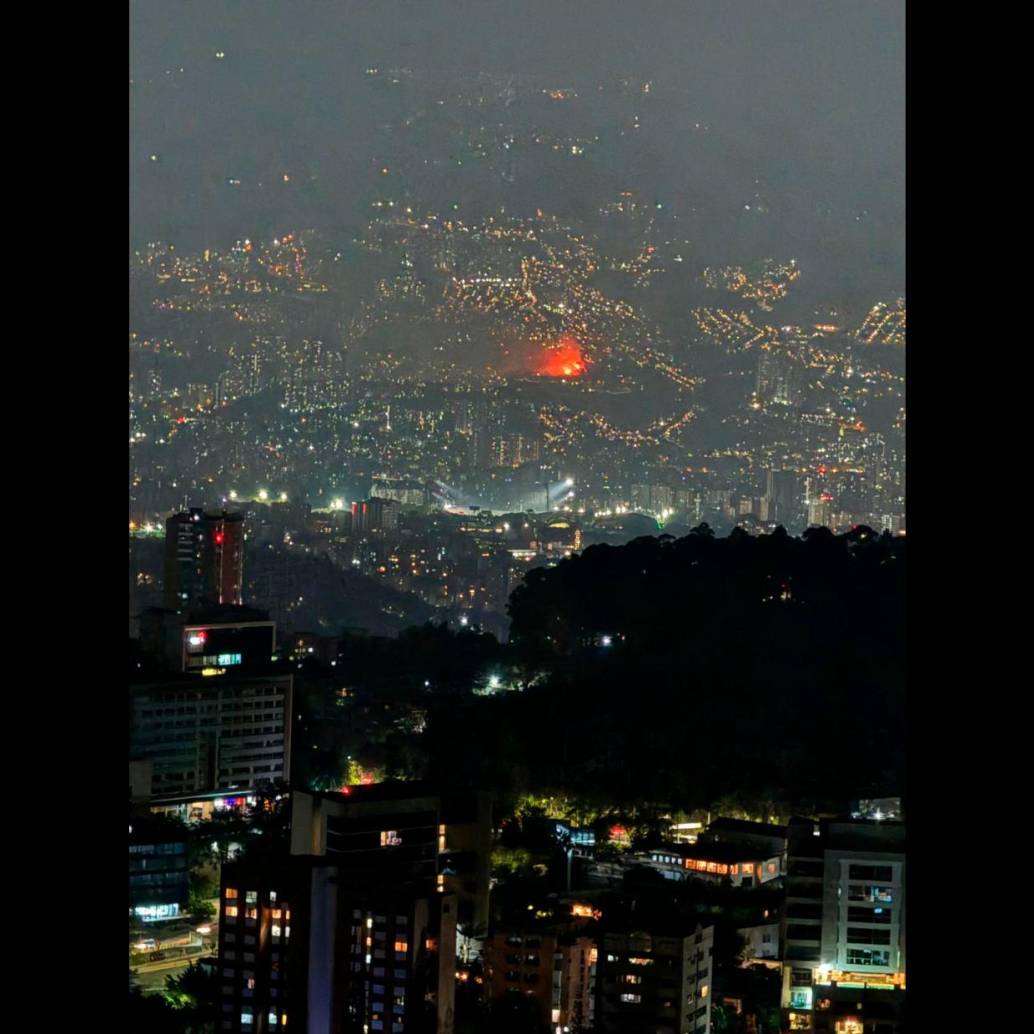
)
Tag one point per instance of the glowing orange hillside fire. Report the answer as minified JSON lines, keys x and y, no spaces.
{"x":564,"y":359}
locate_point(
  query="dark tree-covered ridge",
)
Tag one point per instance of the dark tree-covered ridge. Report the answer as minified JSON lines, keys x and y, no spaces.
{"x":683,"y":670}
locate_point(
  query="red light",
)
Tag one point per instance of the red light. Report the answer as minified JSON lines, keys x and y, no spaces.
{"x":218,"y":538}
{"x":346,"y":790}
{"x":564,"y":359}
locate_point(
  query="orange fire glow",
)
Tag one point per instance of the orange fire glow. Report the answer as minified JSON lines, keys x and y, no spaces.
{"x":564,"y":359}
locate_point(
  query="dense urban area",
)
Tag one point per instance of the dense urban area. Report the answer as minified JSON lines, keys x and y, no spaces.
{"x":517,"y":555}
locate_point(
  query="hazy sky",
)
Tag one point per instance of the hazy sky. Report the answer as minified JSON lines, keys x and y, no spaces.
{"x":806,"y":97}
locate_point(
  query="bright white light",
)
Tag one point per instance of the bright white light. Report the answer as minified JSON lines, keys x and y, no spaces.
{"x":263,"y":495}
{"x":463,"y":619}
{"x":283,"y":497}
{"x":606,"y":640}
{"x":494,"y":682}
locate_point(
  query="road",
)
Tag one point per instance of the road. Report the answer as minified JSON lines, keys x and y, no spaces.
{"x":152,"y":976}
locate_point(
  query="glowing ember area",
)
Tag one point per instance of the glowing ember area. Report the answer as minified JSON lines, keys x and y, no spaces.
{"x":564,"y":359}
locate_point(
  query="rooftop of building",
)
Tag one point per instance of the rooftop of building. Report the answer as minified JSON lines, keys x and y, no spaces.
{"x":724,"y":825}
{"x":394,"y":790}
{"x":868,"y":835}
{"x":711,"y":852}
{"x":179,"y":679}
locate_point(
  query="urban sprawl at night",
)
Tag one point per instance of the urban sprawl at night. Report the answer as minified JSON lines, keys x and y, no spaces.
{"x":517,"y":522}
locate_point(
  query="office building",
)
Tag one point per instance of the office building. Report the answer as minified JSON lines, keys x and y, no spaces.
{"x":210,"y":639}
{"x":159,"y":877}
{"x":844,"y":927}
{"x":204,"y":559}
{"x":218,"y":733}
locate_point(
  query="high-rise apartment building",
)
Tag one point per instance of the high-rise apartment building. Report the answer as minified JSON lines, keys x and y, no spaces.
{"x":660,"y":983}
{"x":555,"y":968}
{"x":513,"y":450}
{"x":204,"y":559}
{"x":776,"y":381}
{"x":375,"y":515}
{"x":355,"y":931}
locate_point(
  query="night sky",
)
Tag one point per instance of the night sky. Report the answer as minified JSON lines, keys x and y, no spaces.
{"x":800,"y":154}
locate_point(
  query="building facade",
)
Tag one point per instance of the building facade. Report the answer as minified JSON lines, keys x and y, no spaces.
{"x":844,"y":928}
{"x":204,"y":559}
{"x":220,"y":733}
{"x":159,"y":877}
{"x":648,"y":982}
{"x":359,"y":935}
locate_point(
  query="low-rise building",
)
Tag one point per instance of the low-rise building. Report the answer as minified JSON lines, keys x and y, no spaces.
{"x":844,"y":927}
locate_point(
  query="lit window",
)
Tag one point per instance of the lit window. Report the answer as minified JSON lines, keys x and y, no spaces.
{"x":630,"y":978}
{"x":251,"y":897}
{"x":704,"y":991}
{"x":632,"y":999}
{"x":247,"y":1018}
{"x":231,"y":893}
{"x":272,"y":1017}
{"x":276,"y":913}
{"x":275,"y":931}
{"x":401,"y":946}
{"x":272,"y":897}
{"x":801,"y":998}
{"x":390,"y":838}
{"x":230,"y":911}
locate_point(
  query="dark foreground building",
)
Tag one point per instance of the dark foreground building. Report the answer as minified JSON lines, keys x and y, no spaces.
{"x":355,"y":931}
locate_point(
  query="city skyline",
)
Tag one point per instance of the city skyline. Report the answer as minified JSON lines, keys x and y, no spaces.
{"x":517,"y":517}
